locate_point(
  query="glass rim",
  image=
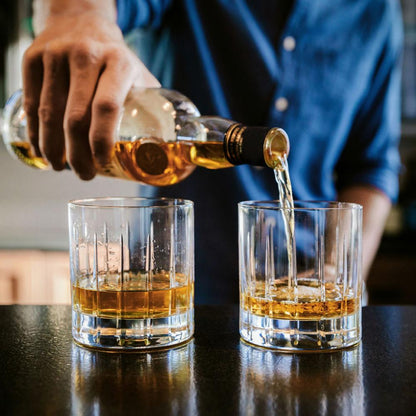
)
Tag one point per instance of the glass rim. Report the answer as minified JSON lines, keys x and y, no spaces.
{"x":309,"y":205}
{"x":110,"y":202}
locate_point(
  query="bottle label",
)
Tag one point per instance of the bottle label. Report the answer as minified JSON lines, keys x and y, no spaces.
{"x":151,"y":158}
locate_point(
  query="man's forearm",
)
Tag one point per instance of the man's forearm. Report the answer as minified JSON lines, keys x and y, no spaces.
{"x":376,"y":207}
{"x":43,"y":9}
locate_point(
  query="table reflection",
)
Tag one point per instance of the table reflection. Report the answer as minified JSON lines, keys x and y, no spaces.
{"x":297,"y":384}
{"x":114,"y":383}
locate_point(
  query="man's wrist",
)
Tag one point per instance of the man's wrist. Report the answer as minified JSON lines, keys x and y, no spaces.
{"x":43,"y":10}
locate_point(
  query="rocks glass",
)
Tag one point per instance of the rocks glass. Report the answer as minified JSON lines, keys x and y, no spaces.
{"x":132,"y":272}
{"x":300,"y":275}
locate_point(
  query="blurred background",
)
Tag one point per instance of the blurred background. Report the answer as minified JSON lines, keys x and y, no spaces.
{"x":34,"y":264}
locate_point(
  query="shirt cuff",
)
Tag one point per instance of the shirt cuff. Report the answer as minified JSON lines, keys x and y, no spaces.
{"x":383,"y":179}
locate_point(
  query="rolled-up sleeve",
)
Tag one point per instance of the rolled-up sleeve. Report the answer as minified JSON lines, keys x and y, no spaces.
{"x":133,"y":14}
{"x":371,"y":155}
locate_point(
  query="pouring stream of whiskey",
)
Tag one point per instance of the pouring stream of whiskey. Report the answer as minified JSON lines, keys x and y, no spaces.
{"x":286,"y":200}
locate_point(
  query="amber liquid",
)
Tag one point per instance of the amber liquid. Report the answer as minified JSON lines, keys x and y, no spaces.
{"x":281,"y":302}
{"x":23,"y":153}
{"x":143,"y":296}
{"x":284,"y":186}
{"x":148,"y":160}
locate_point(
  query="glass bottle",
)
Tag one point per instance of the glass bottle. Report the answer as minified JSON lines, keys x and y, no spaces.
{"x":162,"y":138}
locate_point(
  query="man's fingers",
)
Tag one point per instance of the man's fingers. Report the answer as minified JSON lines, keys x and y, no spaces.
{"x":52,"y":108}
{"x":112,"y":89}
{"x":32,"y":74}
{"x":85,"y":66}
{"x":74,"y":99}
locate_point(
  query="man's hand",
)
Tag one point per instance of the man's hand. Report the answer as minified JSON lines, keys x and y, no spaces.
{"x":76,"y":76}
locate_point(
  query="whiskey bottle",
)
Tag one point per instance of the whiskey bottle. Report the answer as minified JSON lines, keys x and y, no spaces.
{"x":162,"y":138}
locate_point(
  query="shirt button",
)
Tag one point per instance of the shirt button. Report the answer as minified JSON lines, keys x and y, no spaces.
{"x":281,"y":104}
{"x":289,"y":43}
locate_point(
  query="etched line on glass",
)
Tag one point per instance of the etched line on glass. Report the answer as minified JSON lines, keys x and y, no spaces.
{"x":172,"y":265}
{"x":87,"y":250}
{"x":121,"y":330}
{"x":269,"y":270}
{"x":95,"y":273}
{"x":149,"y":280}
{"x":106,"y":254}
{"x":127,"y":253}
{"x":321,"y":255}
{"x":252,"y":256}
{"x":76,"y":268}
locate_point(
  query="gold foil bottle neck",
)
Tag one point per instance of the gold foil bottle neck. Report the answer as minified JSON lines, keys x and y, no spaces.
{"x":276,"y":148}
{"x":233,"y":143}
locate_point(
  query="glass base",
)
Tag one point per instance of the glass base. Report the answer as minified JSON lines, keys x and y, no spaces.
{"x":131,"y":334}
{"x":301,"y":336}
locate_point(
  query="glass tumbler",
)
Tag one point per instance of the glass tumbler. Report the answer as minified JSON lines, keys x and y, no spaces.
{"x":132,"y":272}
{"x":300,"y":274}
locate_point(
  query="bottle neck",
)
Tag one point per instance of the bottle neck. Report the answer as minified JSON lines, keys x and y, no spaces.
{"x":203,"y":128}
{"x":257,"y":146}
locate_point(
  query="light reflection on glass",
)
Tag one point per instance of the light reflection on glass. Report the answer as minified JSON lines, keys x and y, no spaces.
{"x":297,"y":384}
{"x":118,"y":382}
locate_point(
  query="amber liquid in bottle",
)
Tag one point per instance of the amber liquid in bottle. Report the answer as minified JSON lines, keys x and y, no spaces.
{"x":148,"y":160}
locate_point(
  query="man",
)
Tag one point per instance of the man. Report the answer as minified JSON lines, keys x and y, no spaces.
{"x":326,"y":72}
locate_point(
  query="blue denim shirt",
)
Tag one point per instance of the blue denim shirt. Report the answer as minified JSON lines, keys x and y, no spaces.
{"x":330,"y":77}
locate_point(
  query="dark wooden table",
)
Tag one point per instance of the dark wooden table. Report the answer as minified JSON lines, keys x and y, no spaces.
{"x":44,"y":373}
